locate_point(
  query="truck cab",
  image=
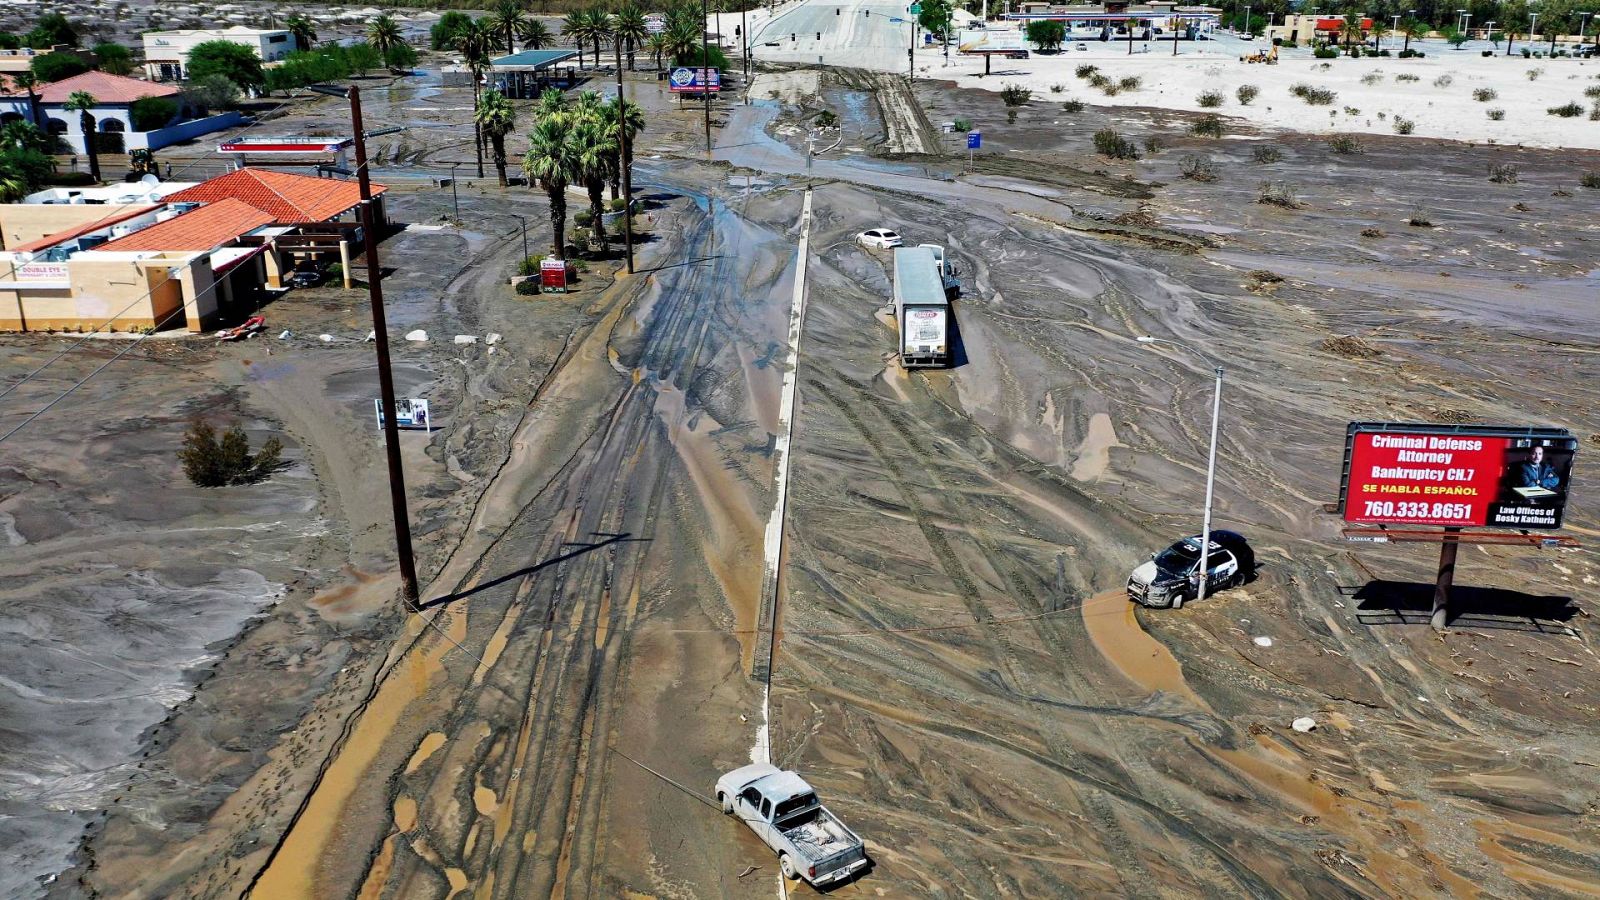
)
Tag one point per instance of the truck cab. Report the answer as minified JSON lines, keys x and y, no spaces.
{"x":783,"y":810}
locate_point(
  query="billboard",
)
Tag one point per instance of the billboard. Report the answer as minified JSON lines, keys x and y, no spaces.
{"x":1456,"y":475}
{"x":990,"y":42}
{"x":408,"y":413}
{"x":684,"y":80}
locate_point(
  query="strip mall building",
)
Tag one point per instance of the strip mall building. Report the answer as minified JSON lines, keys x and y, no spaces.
{"x":135,"y":257}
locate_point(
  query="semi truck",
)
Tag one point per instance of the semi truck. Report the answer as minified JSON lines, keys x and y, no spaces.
{"x":784,"y":812}
{"x":922,"y":287}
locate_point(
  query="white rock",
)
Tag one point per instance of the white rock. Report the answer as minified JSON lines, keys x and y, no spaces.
{"x":1303,"y":724}
{"x":372,"y":336}
{"x":285,"y":334}
{"x":1263,"y":641}
{"x":418,"y":335}
{"x":466,"y":339}
{"x":492,"y":338}
{"x":325,"y":338}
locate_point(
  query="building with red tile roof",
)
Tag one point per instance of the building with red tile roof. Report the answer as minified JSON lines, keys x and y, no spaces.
{"x":106,"y":88}
{"x":118,"y":131}
{"x":290,"y":199}
{"x":207,"y":228}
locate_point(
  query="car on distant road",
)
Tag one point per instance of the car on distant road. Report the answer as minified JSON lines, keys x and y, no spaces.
{"x":305,"y":278}
{"x":1167,"y":580}
{"x":879,"y":238}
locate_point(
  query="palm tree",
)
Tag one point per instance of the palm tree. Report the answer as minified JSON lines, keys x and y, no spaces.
{"x":20,"y":135}
{"x":303,"y":30}
{"x":29,"y":82}
{"x":575,"y":28}
{"x":600,"y":28}
{"x":496,"y":117}
{"x":534,"y":33}
{"x":476,"y":42}
{"x":596,"y":146}
{"x":633,"y":124}
{"x":683,"y":39}
{"x":657,"y":44}
{"x":552,"y":161}
{"x":13,"y":186}
{"x":629,"y":26}
{"x":507,"y":17}
{"x":1351,"y":29}
{"x":551,"y":103}
{"x":384,"y":33}
{"x":82,"y":102}
{"x":1412,"y":28}
{"x":1378,"y":31}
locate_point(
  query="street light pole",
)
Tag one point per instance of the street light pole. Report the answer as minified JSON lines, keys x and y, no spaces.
{"x":524,"y":220}
{"x":455,"y":199}
{"x":705,"y":66}
{"x":1201,"y":567}
{"x":744,"y":35}
{"x":380,"y":332}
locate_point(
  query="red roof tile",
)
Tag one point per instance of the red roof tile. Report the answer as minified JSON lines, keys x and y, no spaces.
{"x":105,"y":88}
{"x":206,"y":228}
{"x":290,"y":199}
{"x":109,"y":219}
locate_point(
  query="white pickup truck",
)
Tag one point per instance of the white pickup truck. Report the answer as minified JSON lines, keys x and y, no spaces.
{"x":783,"y":810}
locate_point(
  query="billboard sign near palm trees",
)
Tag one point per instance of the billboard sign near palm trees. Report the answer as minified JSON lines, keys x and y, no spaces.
{"x":655,"y":23}
{"x":685,"y":80}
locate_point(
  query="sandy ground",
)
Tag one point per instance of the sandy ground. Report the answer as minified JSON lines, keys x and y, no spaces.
{"x":1439,"y":102}
{"x":956,"y":669}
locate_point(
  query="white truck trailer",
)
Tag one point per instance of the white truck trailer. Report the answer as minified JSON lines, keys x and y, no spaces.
{"x":922,"y":305}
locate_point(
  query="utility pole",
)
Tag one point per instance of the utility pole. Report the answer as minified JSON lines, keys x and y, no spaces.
{"x":744,"y":38}
{"x":380,"y":331}
{"x":622,"y":163}
{"x":705,"y":67}
{"x":524,"y":220}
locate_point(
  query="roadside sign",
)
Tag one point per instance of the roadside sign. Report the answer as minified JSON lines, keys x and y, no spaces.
{"x":553,"y":276}
{"x":409,"y":412}
{"x":1456,"y":475}
{"x":916,"y":9}
{"x":896,"y":20}
{"x":974,"y":140}
{"x":684,"y":80}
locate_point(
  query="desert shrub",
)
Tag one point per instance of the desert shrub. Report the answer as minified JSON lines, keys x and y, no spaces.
{"x":1198,"y":168}
{"x":528,"y":288}
{"x":1419,"y":219}
{"x":1372,"y":78}
{"x":1372,"y":233}
{"x":582,"y":218}
{"x":1209,"y":125}
{"x":212,"y":462}
{"x":1443,"y":81}
{"x":1099,"y":81}
{"x":1246,"y":93}
{"x":1533,"y":74}
{"x":1484,"y":95}
{"x":530,"y":265}
{"x":1351,"y":111}
{"x":1266,"y":155}
{"x":1110,"y":89}
{"x":1594,"y":112}
{"x":1496,"y":115}
{"x":1590,"y":180}
{"x":1313,"y":96}
{"x":1015,"y":95}
{"x":1107,"y":142}
{"x":1129,"y":83}
{"x":1209,"y":99}
{"x":1279,"y":193}
{"x":1325,"y":53}
{"x":1154,"y":144}
{"x":1345,"y":143}
{"x":962,"y":124}
{"x":1592,"y":92}
{"x":1566,"y":110}
{"x":1403,"y":125}
{"x":1072,"y":106}
{"x":1058,"y":88}
{"x":1503,"y":173}
{"x":1407,"y":76}
{"x":1085,"y":70}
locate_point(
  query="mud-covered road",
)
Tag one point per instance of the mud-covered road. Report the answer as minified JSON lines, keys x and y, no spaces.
{"x":956,"y":669}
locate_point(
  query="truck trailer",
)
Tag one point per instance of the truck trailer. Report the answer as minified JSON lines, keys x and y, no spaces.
{"x":922,"y":306}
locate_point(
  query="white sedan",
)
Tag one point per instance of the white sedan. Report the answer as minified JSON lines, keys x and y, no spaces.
{"x":880,"y":238}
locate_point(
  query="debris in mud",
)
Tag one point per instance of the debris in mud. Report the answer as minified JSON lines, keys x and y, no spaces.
{"x":1372,"y":233}
{"x":1261,"y":280}
{"x":1451,"y":416}
{"x":1349,"y":347}
{"x":1258,"y":728}
{"x":1280,"y":194}
{"x":1139,"y":218}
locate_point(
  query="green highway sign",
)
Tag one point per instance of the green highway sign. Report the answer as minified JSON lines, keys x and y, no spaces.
{"x":916,"y":9}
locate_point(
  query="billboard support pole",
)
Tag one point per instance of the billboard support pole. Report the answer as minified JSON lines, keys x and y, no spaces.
{"x":1447,"y":577}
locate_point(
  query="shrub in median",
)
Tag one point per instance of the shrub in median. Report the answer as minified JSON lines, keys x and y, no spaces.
{"x":1313,"y":96}
{"x":1209,"y":125}
{"x":1566,"y":110}
{"x":1107,"y":142}
{"x":1209,"y":99}
{"x":1246,"y":93}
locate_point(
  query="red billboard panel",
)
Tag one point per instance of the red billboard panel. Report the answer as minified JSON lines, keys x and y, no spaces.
{"x":1458,"y":476}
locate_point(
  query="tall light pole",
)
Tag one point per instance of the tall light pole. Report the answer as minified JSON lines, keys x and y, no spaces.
{"x":380,"y":332}
{"x":1466,"y":25}
{"x":1533,"y":22}
{"x":1583,"y":27}
{"x":1201,"y":566}
{"x":744,"y":36}
{"x":705,"y":66}
{"x":524,"y":220}
{"x":455,"y":199}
